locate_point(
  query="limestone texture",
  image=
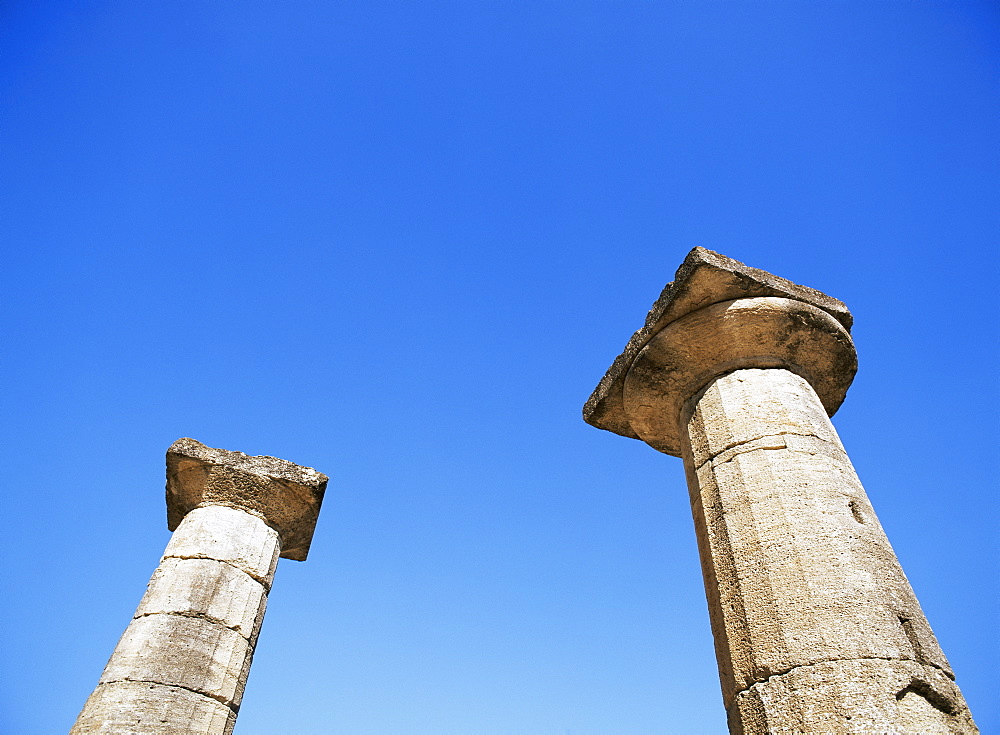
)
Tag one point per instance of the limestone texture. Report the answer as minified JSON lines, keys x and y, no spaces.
{"x":182,"y":663}
{"x":861,"y":696}
{"x":189,"y":652}
{"x":208,"y":589}
{"x":145,"y":708}
{"x":816,"y":627}
{"x":798,"y":570}
{"x":704,"y":278}
{"x":231,"y":536}
{"x":765,"y":331}
{"x":285,"y":495}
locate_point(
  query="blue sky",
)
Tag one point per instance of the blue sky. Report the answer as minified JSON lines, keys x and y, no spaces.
{"x":400,"y":243}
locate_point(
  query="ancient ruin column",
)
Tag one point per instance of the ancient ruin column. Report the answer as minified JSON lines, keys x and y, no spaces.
{"x":182,"y":663}
{"x":816,"y":627}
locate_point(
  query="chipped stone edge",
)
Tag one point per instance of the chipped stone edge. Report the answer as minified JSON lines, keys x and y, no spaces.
{"x":692,"y":289}
{"x":271,"y":468}
{"x":262,"y":464}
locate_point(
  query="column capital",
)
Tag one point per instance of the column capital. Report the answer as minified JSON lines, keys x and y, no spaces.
{"x":284,"y":495}
{"x":718,"y":315}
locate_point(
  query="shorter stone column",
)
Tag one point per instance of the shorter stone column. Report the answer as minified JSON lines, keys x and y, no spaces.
{"x":182,"y":663}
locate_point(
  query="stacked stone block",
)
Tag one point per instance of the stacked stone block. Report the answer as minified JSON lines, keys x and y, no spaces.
{"x":816,"y":627}
{"x":183,"y":661}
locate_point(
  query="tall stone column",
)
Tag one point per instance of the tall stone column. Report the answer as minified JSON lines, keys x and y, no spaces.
{"x":816,"y":627}
{"x":182,"y":663}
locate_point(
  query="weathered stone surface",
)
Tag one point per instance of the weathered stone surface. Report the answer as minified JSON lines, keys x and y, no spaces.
{"x":209,"y":589}
{"x":134,"y":708}
{"x":762,"y":332}
{"x":183,"y":661}
{"x":816,"y":628}
{"x":704,"y":278}
{"x":798,"y":569}
{"x":228,"y":535}
{"x":733,"y":414}
{"x":846,"y":697}
{"x":286,"y":495}
{"x":191,"y":653}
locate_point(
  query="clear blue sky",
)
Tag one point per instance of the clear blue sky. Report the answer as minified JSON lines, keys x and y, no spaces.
{"x":401,"y":242}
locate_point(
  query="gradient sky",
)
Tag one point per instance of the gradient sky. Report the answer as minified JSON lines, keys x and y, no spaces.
{"x":401,"y":242}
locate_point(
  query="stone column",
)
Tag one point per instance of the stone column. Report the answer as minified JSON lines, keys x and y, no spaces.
{"x":816,"y":627}
{"x":182,"y":663}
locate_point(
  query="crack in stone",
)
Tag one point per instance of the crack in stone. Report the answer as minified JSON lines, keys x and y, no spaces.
{"x":260,"y":580}
{"x":217,"y":697}
{"x":925,"y":690}
{"x":856,"y":511}
{"x":837,"y":660}
{"x":198,"y":616}
{"x":755,"y":439}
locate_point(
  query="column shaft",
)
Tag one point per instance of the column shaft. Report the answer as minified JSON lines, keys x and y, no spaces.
{"x":816,"y":627}
{"x":182,"y":663}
